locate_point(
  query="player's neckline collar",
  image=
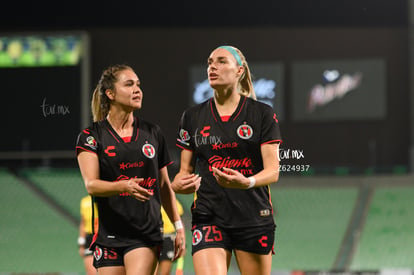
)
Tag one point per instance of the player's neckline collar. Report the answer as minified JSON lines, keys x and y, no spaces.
{"x":135,"y":131}
{"x":233,"y":116}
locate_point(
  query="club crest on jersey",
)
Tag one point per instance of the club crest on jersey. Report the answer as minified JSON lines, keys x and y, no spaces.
{"x":245,"y":131}
{"x":148,"y":150}
{"x":184,"y":135}
{"x":97,"y":253}
{"x":91,"y":142}
{"x":197,"y":237}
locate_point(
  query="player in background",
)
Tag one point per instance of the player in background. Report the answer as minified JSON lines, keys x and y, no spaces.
{"x":123,"y":161}
{"x":86,"y":229}
{"x":165,"y":261}
{"x":229,"y":158}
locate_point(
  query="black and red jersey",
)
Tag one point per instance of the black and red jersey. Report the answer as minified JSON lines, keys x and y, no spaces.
{"x":122,"y":218}
{"x":235,"y":144}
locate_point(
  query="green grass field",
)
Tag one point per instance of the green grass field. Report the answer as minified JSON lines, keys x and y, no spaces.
{"x":311,"y":224}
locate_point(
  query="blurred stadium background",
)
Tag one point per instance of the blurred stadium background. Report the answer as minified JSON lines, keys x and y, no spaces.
{"x":344,"y":202}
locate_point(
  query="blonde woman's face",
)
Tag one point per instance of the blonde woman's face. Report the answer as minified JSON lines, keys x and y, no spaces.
{"x":223,"y":70}
{"x":128,"y":91}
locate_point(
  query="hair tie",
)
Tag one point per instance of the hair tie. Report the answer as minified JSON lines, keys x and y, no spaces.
{"x":236,"y":55}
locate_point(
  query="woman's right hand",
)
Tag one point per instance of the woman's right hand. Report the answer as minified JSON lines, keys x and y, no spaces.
{"x":186,"y":184}
{"x":137,"y":191}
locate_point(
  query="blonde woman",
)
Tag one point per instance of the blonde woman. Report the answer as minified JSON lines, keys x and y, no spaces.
{"x":232,"y":141}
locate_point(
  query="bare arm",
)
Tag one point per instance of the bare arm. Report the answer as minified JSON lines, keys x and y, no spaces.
{"x":169,"y":204}
{"x":270,"y":172}
{"x":185,"y":182}
{"x":89,"y":167}
{"x":233,"y":179}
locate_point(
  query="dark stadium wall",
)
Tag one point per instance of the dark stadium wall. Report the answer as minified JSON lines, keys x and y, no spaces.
{"x":162,"y":58}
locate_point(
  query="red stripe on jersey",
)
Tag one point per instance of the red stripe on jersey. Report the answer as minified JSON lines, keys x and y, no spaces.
{"x":225,"y":118}
{"x":109,"y":130}
{"x":95,"y":236}
{"x":136,"y":137}
{"x":81,"y":148}
{"x":212,"y":111}
{"x":178,"y":145}
{"x":171,"y":162}
{"x":241,"y":108}
{"x":273,"y":141}
{"x":127,"y":139}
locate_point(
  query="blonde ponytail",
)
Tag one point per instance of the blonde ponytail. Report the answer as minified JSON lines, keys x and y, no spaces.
{"x":245,"y":82}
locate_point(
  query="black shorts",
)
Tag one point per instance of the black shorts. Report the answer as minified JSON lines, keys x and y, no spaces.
{"x":259,"y":240}
{"x":114,"y":256}
{"x":167,"y":250}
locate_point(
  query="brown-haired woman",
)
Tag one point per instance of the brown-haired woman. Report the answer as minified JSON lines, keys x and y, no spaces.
{"x":123,"y":160}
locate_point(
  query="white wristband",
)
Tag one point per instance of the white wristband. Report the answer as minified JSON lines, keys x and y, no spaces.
{"x":252,"y":182}
{"x":81,"y":241}
{"x":178,"y":225}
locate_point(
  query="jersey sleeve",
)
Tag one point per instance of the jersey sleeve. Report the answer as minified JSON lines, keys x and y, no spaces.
{"x":87,"y":141}
{"x":184,"y":140}
{"x":270,"y":127}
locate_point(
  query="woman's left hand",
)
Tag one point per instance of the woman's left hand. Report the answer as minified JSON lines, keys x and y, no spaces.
{"x":179,"y":249}
{"x":230,"y":178}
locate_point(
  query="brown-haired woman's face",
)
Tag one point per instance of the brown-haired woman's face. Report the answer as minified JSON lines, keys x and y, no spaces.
{"x":128,"y":92}
{"x":223,"y":70}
